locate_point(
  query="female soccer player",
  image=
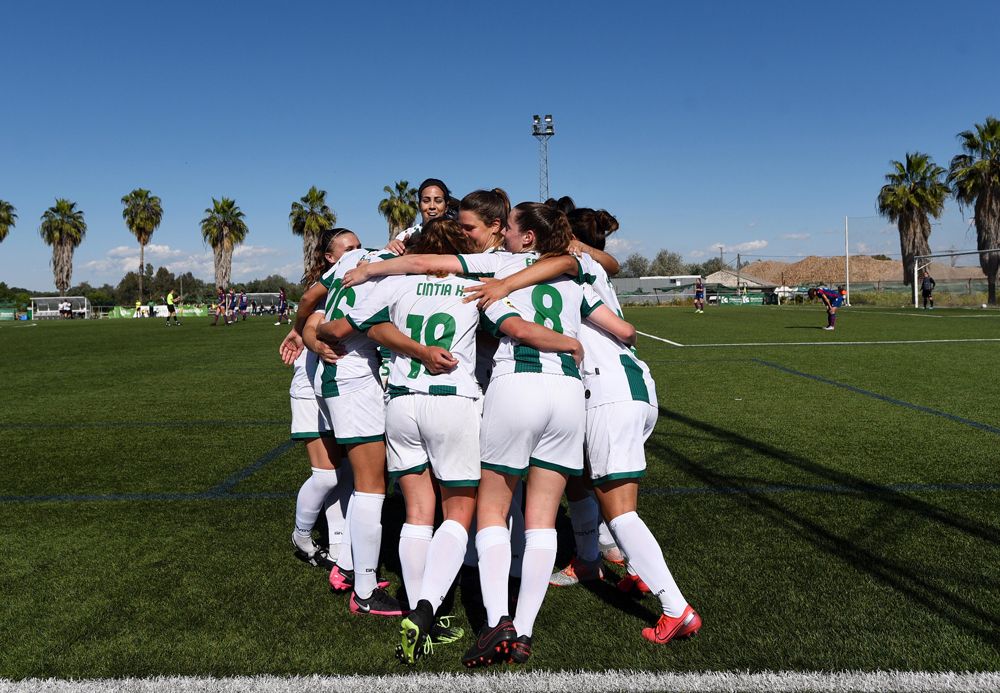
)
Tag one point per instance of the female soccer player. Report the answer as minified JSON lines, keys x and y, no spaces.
{"x":532,"y":423}
{"x":330,"y":484}
{"x":699,"y":296}
{"x":621,"y":413}
{"x":832,"y":299}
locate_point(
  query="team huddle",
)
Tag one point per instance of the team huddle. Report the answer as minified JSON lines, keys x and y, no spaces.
{"x":480,"y":361}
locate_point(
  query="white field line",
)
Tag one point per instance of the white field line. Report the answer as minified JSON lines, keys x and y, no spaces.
{"x":924,"y":315}
{"x":659,"y":339}
{"x":888,"y":341}
{"x":534,"y":682}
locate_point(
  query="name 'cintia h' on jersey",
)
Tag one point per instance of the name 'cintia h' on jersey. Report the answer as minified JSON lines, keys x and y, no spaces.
{"x":559,"y":305}
{"x":611,"y":371}
{"x":430,"y":311}
{"x":359,"y":364}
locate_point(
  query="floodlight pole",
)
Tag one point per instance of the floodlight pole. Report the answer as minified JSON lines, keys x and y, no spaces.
{"x":847,"y":264}
{"x":542,"y":130}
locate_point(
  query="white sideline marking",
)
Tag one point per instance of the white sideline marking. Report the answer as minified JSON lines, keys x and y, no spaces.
{"x":888,"y":341}
{"x":659,"y":339}
{"x":535,"y":682}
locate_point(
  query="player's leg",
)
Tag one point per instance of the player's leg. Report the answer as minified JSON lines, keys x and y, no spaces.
{"x":584,"y":515}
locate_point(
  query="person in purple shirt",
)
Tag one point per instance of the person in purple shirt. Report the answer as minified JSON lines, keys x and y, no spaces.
{"x":833,"y":299}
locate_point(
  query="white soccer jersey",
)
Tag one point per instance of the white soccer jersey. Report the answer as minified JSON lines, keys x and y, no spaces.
{"x":304,"y":375}
{"x":611,"y":371}
{"x":430,"y":311}
{"x":558,"y":305}
{"x":360,"y":364}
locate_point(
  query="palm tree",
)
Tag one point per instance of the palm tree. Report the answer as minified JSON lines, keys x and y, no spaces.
{"x":223,"y":228}
{"x":913,"y":190}
{"x":399,"y":208}
{"x":975,"y":178}
{"x":142,"y":214}
{"x":310,"y":217}
{"x":63,"y":228}
{"x":8,"y":217}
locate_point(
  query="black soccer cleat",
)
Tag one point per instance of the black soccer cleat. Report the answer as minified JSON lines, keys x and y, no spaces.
{"x":318,"y":557}
{"x":520,"y":650}
{"x":492,"y":644}
{"x":379,"y":603}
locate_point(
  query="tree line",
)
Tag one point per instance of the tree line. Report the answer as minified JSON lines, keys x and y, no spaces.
{"x":667,"y":264}
{"x":917,"y":188}
{"x":223,"y":228}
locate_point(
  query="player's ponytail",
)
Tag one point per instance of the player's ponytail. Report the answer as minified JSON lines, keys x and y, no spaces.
{"x":319,"y":264}
{"x":551,"y":227}
{"x":440,"y":236}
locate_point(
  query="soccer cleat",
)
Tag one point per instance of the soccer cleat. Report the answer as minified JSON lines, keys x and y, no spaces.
{"x":633,"y":584}
{"x":669,"y":628}
{"x":577,"y":571}
{"x":443,"y":633}
{"x":380,"y":603}
{"x":612,"y":554}
{"x":342,"y":580}
{"x":317,"y":557}
{"x":492,"y":644}
{"x":520,"y":650}
{"x":414,"y":636}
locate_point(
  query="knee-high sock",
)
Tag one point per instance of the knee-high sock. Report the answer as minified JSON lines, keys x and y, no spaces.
{"x":645,"y":556}
{"x":366,"y":540}
{"x":345,"y":557}
{"x":604,"y":536}
{"x":493,"y":545}
{"x":444,"y":558}
{"x":414,"y":541}
{"x":515,"y":522}
{"x":584,"y":516}
{"x":312,"y":495}
{"x":336,"y":511}
{"x":539,"y":559}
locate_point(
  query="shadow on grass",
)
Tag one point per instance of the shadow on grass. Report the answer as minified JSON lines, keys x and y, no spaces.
{"x":901,"y":577}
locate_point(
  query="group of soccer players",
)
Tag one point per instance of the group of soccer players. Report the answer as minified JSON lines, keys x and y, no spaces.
{"x":480,"y":361}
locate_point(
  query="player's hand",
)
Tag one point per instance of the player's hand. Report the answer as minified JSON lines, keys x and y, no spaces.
{"x":396,"y":246}
{"x":487,"y":293}
{"x":291,"y":347}
{"x":358,"y":275}
{"x":577,"y":353}
{"x":437,"y":360}
{"x":327,"y":353}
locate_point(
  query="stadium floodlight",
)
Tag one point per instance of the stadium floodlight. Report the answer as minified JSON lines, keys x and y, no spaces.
{"x":542,"y":130}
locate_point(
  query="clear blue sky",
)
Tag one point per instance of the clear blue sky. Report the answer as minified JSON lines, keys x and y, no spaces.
{"x":755,"y":125}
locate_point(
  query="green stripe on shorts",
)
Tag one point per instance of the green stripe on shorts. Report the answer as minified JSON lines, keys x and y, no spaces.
{"x":535,"y":462}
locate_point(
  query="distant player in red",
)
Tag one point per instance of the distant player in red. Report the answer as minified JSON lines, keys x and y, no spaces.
{"x":699,"y":296}
{"x":833,"y":299}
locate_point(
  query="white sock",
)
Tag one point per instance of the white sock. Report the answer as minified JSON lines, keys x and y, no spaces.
{"x":310,"y":500}
{"x":336,"y":509}
{"x":584,"y":516}
{"x":414,"y":540}
{"x":646,"y":557}
{"x":345,"y":558}
{"x":515,"y":522}
{"x":493,"y":545}
{"x":604,"y":535}
{"x":539,"y":560}
{"x":444,"y":558}
{"x":366,"y":540}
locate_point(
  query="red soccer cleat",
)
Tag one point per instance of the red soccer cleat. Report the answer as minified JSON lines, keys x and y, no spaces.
{"x":669,"y":628}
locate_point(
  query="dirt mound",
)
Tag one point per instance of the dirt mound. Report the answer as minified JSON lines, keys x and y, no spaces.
{"x":830,"y":270}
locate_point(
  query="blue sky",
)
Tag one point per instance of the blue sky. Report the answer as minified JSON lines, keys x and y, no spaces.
{"x":755,"y":125}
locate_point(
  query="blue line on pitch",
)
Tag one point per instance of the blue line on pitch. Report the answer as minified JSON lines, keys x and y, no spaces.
{"x":143,"y":424}
{"x":246,"y":472}
{"x":883,"y":398}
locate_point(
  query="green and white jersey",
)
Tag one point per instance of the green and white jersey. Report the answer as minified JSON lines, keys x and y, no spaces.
{"x":430,"y":311}
{"x":360,"y":364}
{"x":611,"y":371}
{"x":559,"y":305}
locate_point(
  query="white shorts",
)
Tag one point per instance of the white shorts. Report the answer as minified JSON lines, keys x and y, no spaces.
{"x":359,"y":416}
{"x":437,"y":430}
{"x":309,"y":418}
{"x":616,"y":433}
{"x":533,"y":419}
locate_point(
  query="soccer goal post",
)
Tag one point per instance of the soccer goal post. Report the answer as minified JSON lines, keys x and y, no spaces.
{"x":922,"y":262}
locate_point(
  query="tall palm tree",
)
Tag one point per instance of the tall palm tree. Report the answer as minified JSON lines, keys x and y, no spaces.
{"x":399,"y":208}
{"x":914,"y":190}
{"x":975,"y":178}
{"x":63,"y":228}
{"x":8,"y":217}
{"x":310,"y":217}
{"x":142,"y":214}
{"x":223,"y":228}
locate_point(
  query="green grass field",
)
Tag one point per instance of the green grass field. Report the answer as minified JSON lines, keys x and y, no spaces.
{"x":827,"y":501}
